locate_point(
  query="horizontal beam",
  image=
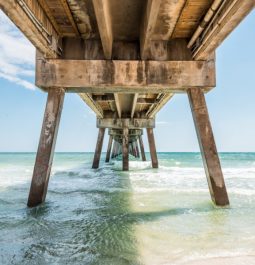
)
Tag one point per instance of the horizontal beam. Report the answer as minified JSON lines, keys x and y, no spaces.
{"x":102,"y":76}
{"x":92,"y":104}
{"x":135,"y":132}
{"x":33,"y":22}
{"x":232,"y":13}
{"x":109,"y":97}
{"x":131,"y":123}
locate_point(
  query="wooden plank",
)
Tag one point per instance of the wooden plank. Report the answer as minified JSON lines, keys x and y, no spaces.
{"x":44,"y":156}
{"x":102,"y":98}
{"x":118,"y":123}
{"x":148,"y":25}
{"x":50,"y":15}
{"x":107,"y":159}
{"x":98,"y":150}
{"x":102,"y":76}
{"x":70,"y":16}
{"x":153,"y":152}
{"x":117,"y":103}
{"x":163,"y":99}
{"x":208,"y":148}
{"x":230,"y":16}
{"x":134,"y":104}
{"x":101,"y":8}
{"x":142,"y":148}
{"x":92,"y":104}
{"x":33,"y":22}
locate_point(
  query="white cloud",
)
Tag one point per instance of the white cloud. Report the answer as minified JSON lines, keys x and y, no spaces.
{"x":162,"y":122}
{"x":17,"y":54}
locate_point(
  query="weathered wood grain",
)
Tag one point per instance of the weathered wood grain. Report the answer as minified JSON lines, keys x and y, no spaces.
{"x":132,"y":123}
{"x":108,"y":153}
{"x":142,"y":148}
{"x":44,"y":157}
{"x":125,"y":76}
{"x":208,"y":148}
{"x":148,"y":25}
{"x":233,"y":13}
{"x":103,"y":16}
{"x":99,"y":146}
{"x":152,"y":146}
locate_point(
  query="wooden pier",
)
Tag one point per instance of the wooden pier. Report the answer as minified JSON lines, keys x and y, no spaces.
{"x":126,"y":59}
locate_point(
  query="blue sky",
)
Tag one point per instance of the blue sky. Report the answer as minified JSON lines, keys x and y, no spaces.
{"x":231,"y":103}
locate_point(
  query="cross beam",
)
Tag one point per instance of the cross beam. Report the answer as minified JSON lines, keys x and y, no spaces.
{"x":104,"y":76}
{"x":130,"y":123}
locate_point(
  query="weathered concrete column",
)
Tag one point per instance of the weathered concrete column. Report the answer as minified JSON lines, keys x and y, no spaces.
{"x":107,"y":159}
{"x":142,"y":148}
{"x":208,"y":148}
{"x":153,"y":152}
{"x":125,"y":143}
{"x":44,"y":157}
{"x":98,"y":150}
{"x":113,"y":149}
{"x":137,"y":149}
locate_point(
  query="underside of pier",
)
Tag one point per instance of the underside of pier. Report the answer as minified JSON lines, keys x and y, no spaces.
{"x":126,"y":59}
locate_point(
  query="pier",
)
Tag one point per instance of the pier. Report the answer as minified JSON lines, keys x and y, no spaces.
{"x":126,"y":59}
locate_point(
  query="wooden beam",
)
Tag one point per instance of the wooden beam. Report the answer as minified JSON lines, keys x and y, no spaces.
{"x":101,"y":8}
{"x":108,"y":97}
{"x":132,"y":132}
{"x":153,"y":152}
{"x":33,"y":22}
{"x":148,"y":25}
{"x":107,"y":159}
{"x":118,"y":123}
{"x":70,"y":16}
{"x":134,"y":104}
{"x":224,"y":23}
{"x":117,"y":103}
{"x":98,"y":150}
{"x":44,"y":156}
{"x":125,"y":142}
{"x":92,"y":104}
{"x":208,"y":148}
{"x":164,"y":98}
{"x":102,"y":76}
{"x":46,"y":8}
{"x":147,"y":101}
{"x":142,"y":148}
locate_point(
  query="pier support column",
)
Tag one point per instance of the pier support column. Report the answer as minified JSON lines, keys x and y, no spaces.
{"x":208,"y":149}
{"x":142,"y":148}
{"x":137,"y":149}
{"x":153,"y":152}
{"x":107,"y":159}
{"x":46,"y":148}
{"x":98,"y":150}
{"x":113,"y":149}
{"x":125,"y":149}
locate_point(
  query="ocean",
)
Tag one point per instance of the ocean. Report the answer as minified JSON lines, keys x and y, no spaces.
{"x":144,"y":216}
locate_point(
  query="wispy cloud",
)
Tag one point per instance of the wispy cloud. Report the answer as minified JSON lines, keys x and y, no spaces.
{"x":17,"y":55}
{"x":162,"y":122}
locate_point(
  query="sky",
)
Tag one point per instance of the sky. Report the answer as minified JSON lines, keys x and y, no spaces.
{"x":231,"y":104}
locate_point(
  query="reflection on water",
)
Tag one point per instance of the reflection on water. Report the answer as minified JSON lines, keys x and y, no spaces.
{"x":144,"y":216}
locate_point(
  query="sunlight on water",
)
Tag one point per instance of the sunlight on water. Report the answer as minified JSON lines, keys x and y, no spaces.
{"x":144,"y":216}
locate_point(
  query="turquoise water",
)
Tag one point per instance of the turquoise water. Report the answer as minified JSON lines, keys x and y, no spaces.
{"x":145,"y":216}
